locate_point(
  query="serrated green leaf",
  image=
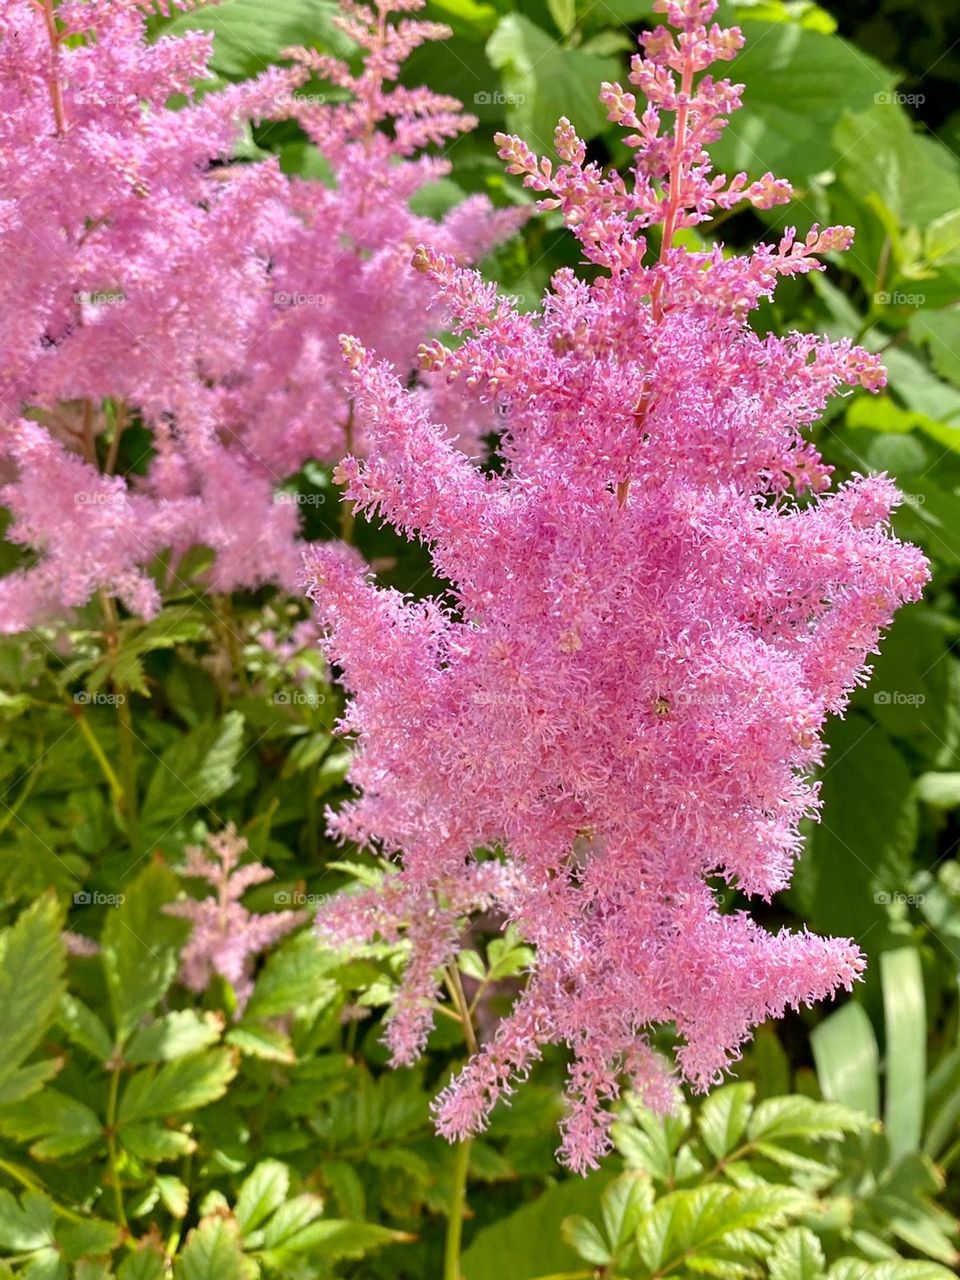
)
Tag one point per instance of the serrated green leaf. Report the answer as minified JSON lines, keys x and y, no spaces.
{"x":140,"y":947}
{"x":257,"y":1040}
{"x":174,"y":1195}
{"x":25,"y":1225}
{"x":797,"y":1255}
{"x":296,"y":974}
{"x":155,"y":1143}
{"x":173,"y":1036}
{"x":178,"y":1086}
{"x":84,"y":1028}
{"x":723,"y":1118}
{"x":89,"y":1239}
{"x":261,"y":1194}
{"x":55,"y":1123}
{"x":795,"y":1116}
{"x":194,"y":770}
{"x":586,"y":1238}
{"x":213,"y":1252}
{"x":31,"y":984}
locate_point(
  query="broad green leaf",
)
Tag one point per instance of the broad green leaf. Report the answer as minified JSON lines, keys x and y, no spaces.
{"x":291,"y":1219}
{"x":860,"y":852}
{"x":940,"y":331}
{"x":531,"y":1238}
{"x":543,"y":81}
{"x":722,"y":1120}
{"x":193,"y":771}
{"x":31,"y":984}
{"x":261,"y":1194}
{"x":173,"y":1036}
{"x":798,"y":83}
{"x":797,"y":1256}
{"x":181,"y":1085}
{"x":249,"y":35}
{"x":848,"y":1060}
{"x":905,"y":1036}
{"x":882,"y":153}
{"x":140,"y":946}
{"x":213,"y":1252}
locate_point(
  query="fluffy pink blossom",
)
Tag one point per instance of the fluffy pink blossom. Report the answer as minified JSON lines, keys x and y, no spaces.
{"x":652,"y":610}
{"x":226,"y":938}
{"x":153,"y":280}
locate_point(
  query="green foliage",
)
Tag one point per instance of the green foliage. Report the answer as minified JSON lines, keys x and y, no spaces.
{"x":148,"y":1133}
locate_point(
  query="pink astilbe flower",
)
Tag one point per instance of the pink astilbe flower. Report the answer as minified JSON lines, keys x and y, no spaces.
{"x":152,"y":279}
{"x":226,"y":938}
{"x":652,"y":611}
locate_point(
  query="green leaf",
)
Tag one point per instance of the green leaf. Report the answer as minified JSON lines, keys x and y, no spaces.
{"x":261,"y":1194}
{"x":213,"y":1252}
{"x":146,"y":1264}
{"x":797,"y":1256}
{"x":857,"y":1269}
{"x":622,"y":1205}
{"x":904,"y":1007}
{"x":544,"y":81}
{"x":181,"y":1085}
{"x":140,"y":947}
{"x":332,"y":1239}
{"x":174,"y":1195}
{"x":722,"y":1119}
{"x":941,"y":790}
{"x":155,"y":1143}
{"x":848,"y":1060}
{"x":581,"y":1234}
{"x":257,"y":1040}
{"x":531,"y":1237}
{"x":89,"y":1239}
{"x":796,"y":1116}
{"x":62,"y":1124}
{"x":249,"y":36}
{"x":84,"y":1028}
{"x":27,"y":1225}
{"x":31,"y":984}
{"x":295,"y":974}
{"x":798,"y":83}
{"x":193,"y":771}
{"x":860,"y":852}
{"x":173,"y":1036}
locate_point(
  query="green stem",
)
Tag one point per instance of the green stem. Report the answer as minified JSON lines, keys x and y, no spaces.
{"x":111,"y":1131}
{"x":128,"y":765}
{"x":461,"y":1161}
{"x":458,"y":1203}
{"x":93,"y":742}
